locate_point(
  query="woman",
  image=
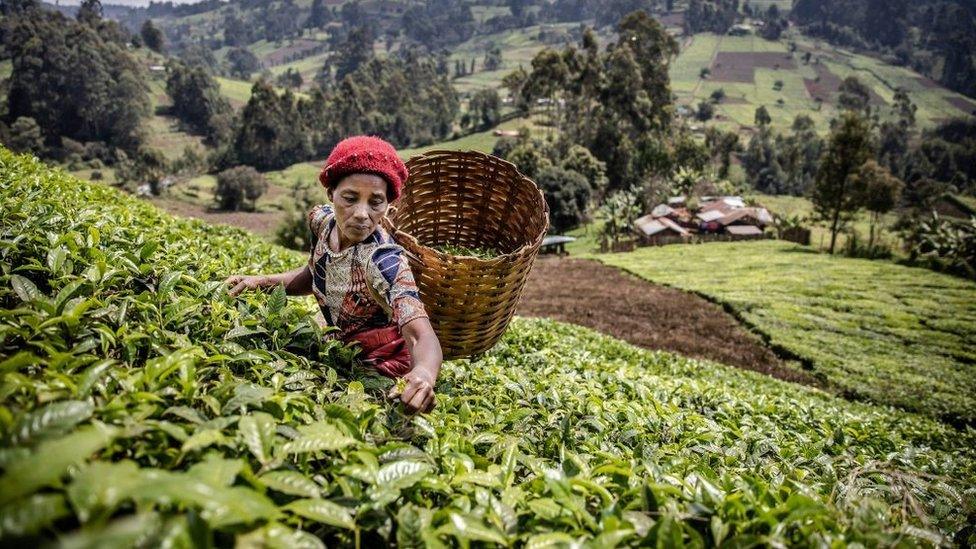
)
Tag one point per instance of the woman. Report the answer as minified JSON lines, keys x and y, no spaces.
{"x":359,"y":277}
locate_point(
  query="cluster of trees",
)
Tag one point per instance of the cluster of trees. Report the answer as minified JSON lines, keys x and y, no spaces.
{"x":617,"y":104}
{"x":402,"y":99}
{"x":711,"y":15}
{"x":438,"y":23}
{"x":71,"y":80}
{"x":197,"y":101}
{"x":572,"y":180}
{"x":935,"y":37}
{"x":778,"y":163}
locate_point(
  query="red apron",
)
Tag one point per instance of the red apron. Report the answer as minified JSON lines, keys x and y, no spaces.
{"x":385,"y":350}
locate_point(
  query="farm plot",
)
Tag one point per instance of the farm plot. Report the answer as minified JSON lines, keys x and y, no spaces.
{"x":292,"y":52}
{"x":896,"y":335}
{"x":142,"y":405}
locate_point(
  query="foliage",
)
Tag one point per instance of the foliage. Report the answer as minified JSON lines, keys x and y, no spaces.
{"x":269,"y":136}
{"x":944,"y":243}
{"x":485,"y":108}
{"x":880,"y":192}
{"x":875,"y":330}
{"x":617,"y":103}
{"x":152,"y":37}
{"x":237,"y":186}
{"x":463,"y":251}
{"x":293,"y":231}
{"x":141,"y":405}
{"x":568,"y":195}
{"x":242,"y":62}
{"x":72,"y":82}
{"x":835,"y":196}
{"x":779,"y":163}
{"x":25,"y":136}
{"x":618,"y":212}
{"x":932,"y":37}
{"x":197,"y":101}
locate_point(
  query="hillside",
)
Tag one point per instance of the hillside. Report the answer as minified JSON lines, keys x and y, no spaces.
{"x":896,"y":335}
{"x":141,"y":403}
{"x":753,"y":72}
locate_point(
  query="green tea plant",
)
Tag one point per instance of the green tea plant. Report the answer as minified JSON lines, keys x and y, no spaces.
{"x":893,"y":334}
{"x":474,"y":251}
{"x":141,"y":406}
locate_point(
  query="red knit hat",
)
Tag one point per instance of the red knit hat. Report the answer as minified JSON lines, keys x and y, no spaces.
{"x":365,"y":154}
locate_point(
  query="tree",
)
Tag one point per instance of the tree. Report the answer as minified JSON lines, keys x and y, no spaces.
{"x":718,"y":95}
{"x":485,"y":107}
{"x":25,"y":136}
{"x":152,"y":37}
{"x":762,"y":117}
{"x":73,"y":83}
{"x":567,"y":193}
{"x":238,"y":186}
{"x":269,"y":136}
{"x":493,"y":58}
{"x":90,"y":12}
{"x":705,"y":111}
{"x":242,"y":62}
{"x":320,"y":15}
{"x":618,"y":213}
{"x":514,"y":82}
{"x":835,"y":197}
{"x":356,"y":50}
{"x":579,"y":159}
{"x":197,"y":101}
{"x":880,"y":191}
{"x":854,"y":95}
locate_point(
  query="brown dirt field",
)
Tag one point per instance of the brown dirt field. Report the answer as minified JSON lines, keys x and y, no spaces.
{"x":964,"y":105}
{"x":280,"y":55}
{"x":829,"y":84}
{"x":613,"y":302}
{"x":741,"y":66}
{"x":262,"y":223}
{"x":928,"y":83}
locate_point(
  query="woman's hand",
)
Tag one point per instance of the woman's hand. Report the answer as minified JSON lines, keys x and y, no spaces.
{"x":239,"y":283}
{"x":418,"y":395}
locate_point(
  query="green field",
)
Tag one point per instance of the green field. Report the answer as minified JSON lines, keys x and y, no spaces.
{"x":743,"y":98}
{"x":141,"y":405}
{"x":896,"y":335}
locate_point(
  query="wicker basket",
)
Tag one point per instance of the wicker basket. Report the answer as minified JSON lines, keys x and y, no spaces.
{"x":469,"y":199}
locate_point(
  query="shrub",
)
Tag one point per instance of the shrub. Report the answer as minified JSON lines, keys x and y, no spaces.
{"x":238,"y":186}
{"x":567,"y":193}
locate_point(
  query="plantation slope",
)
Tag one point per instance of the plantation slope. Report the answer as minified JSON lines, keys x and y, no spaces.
{"x":897,"y":335}
{"x":140,"y":404}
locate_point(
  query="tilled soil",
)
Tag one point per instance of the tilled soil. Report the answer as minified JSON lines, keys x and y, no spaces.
{"x":590,"y":294}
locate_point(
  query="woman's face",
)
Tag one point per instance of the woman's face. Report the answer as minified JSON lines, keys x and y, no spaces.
{"x":360,"y":203}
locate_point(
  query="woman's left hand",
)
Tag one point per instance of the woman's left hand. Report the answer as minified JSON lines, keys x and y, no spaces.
{"x":418,"y":395}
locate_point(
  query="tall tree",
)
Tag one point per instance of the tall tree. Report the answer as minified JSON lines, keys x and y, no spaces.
{"x":880,"y":192}
{"x":836,"y":198}
{"x":152,"y":37}
{"x":197,"y":101}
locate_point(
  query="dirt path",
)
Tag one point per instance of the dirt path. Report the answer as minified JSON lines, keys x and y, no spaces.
{"x":608,"y":300}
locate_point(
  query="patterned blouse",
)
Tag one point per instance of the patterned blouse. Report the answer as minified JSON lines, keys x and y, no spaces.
{"x":367,"y":285}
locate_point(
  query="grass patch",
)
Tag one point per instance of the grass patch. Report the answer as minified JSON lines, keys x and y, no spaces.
{"x":896,"y":335}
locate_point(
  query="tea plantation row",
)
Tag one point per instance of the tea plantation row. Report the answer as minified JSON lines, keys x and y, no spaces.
{"x":139,"y":405}
{"x":896,"y":335}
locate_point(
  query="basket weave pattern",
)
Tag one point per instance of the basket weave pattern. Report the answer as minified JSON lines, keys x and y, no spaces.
{"x":469,"y":199}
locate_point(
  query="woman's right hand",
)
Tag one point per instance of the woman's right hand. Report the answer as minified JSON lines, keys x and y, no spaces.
{"x":239,"y":283}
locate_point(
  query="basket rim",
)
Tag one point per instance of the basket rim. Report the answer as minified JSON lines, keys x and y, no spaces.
{"x":521,"y":250}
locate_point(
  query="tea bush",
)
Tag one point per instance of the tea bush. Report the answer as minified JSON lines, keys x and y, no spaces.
{"x":141,"y":406}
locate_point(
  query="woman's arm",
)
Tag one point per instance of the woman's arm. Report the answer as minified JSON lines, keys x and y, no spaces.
{"x":426,"y":358}
{"x":296,"y":282}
